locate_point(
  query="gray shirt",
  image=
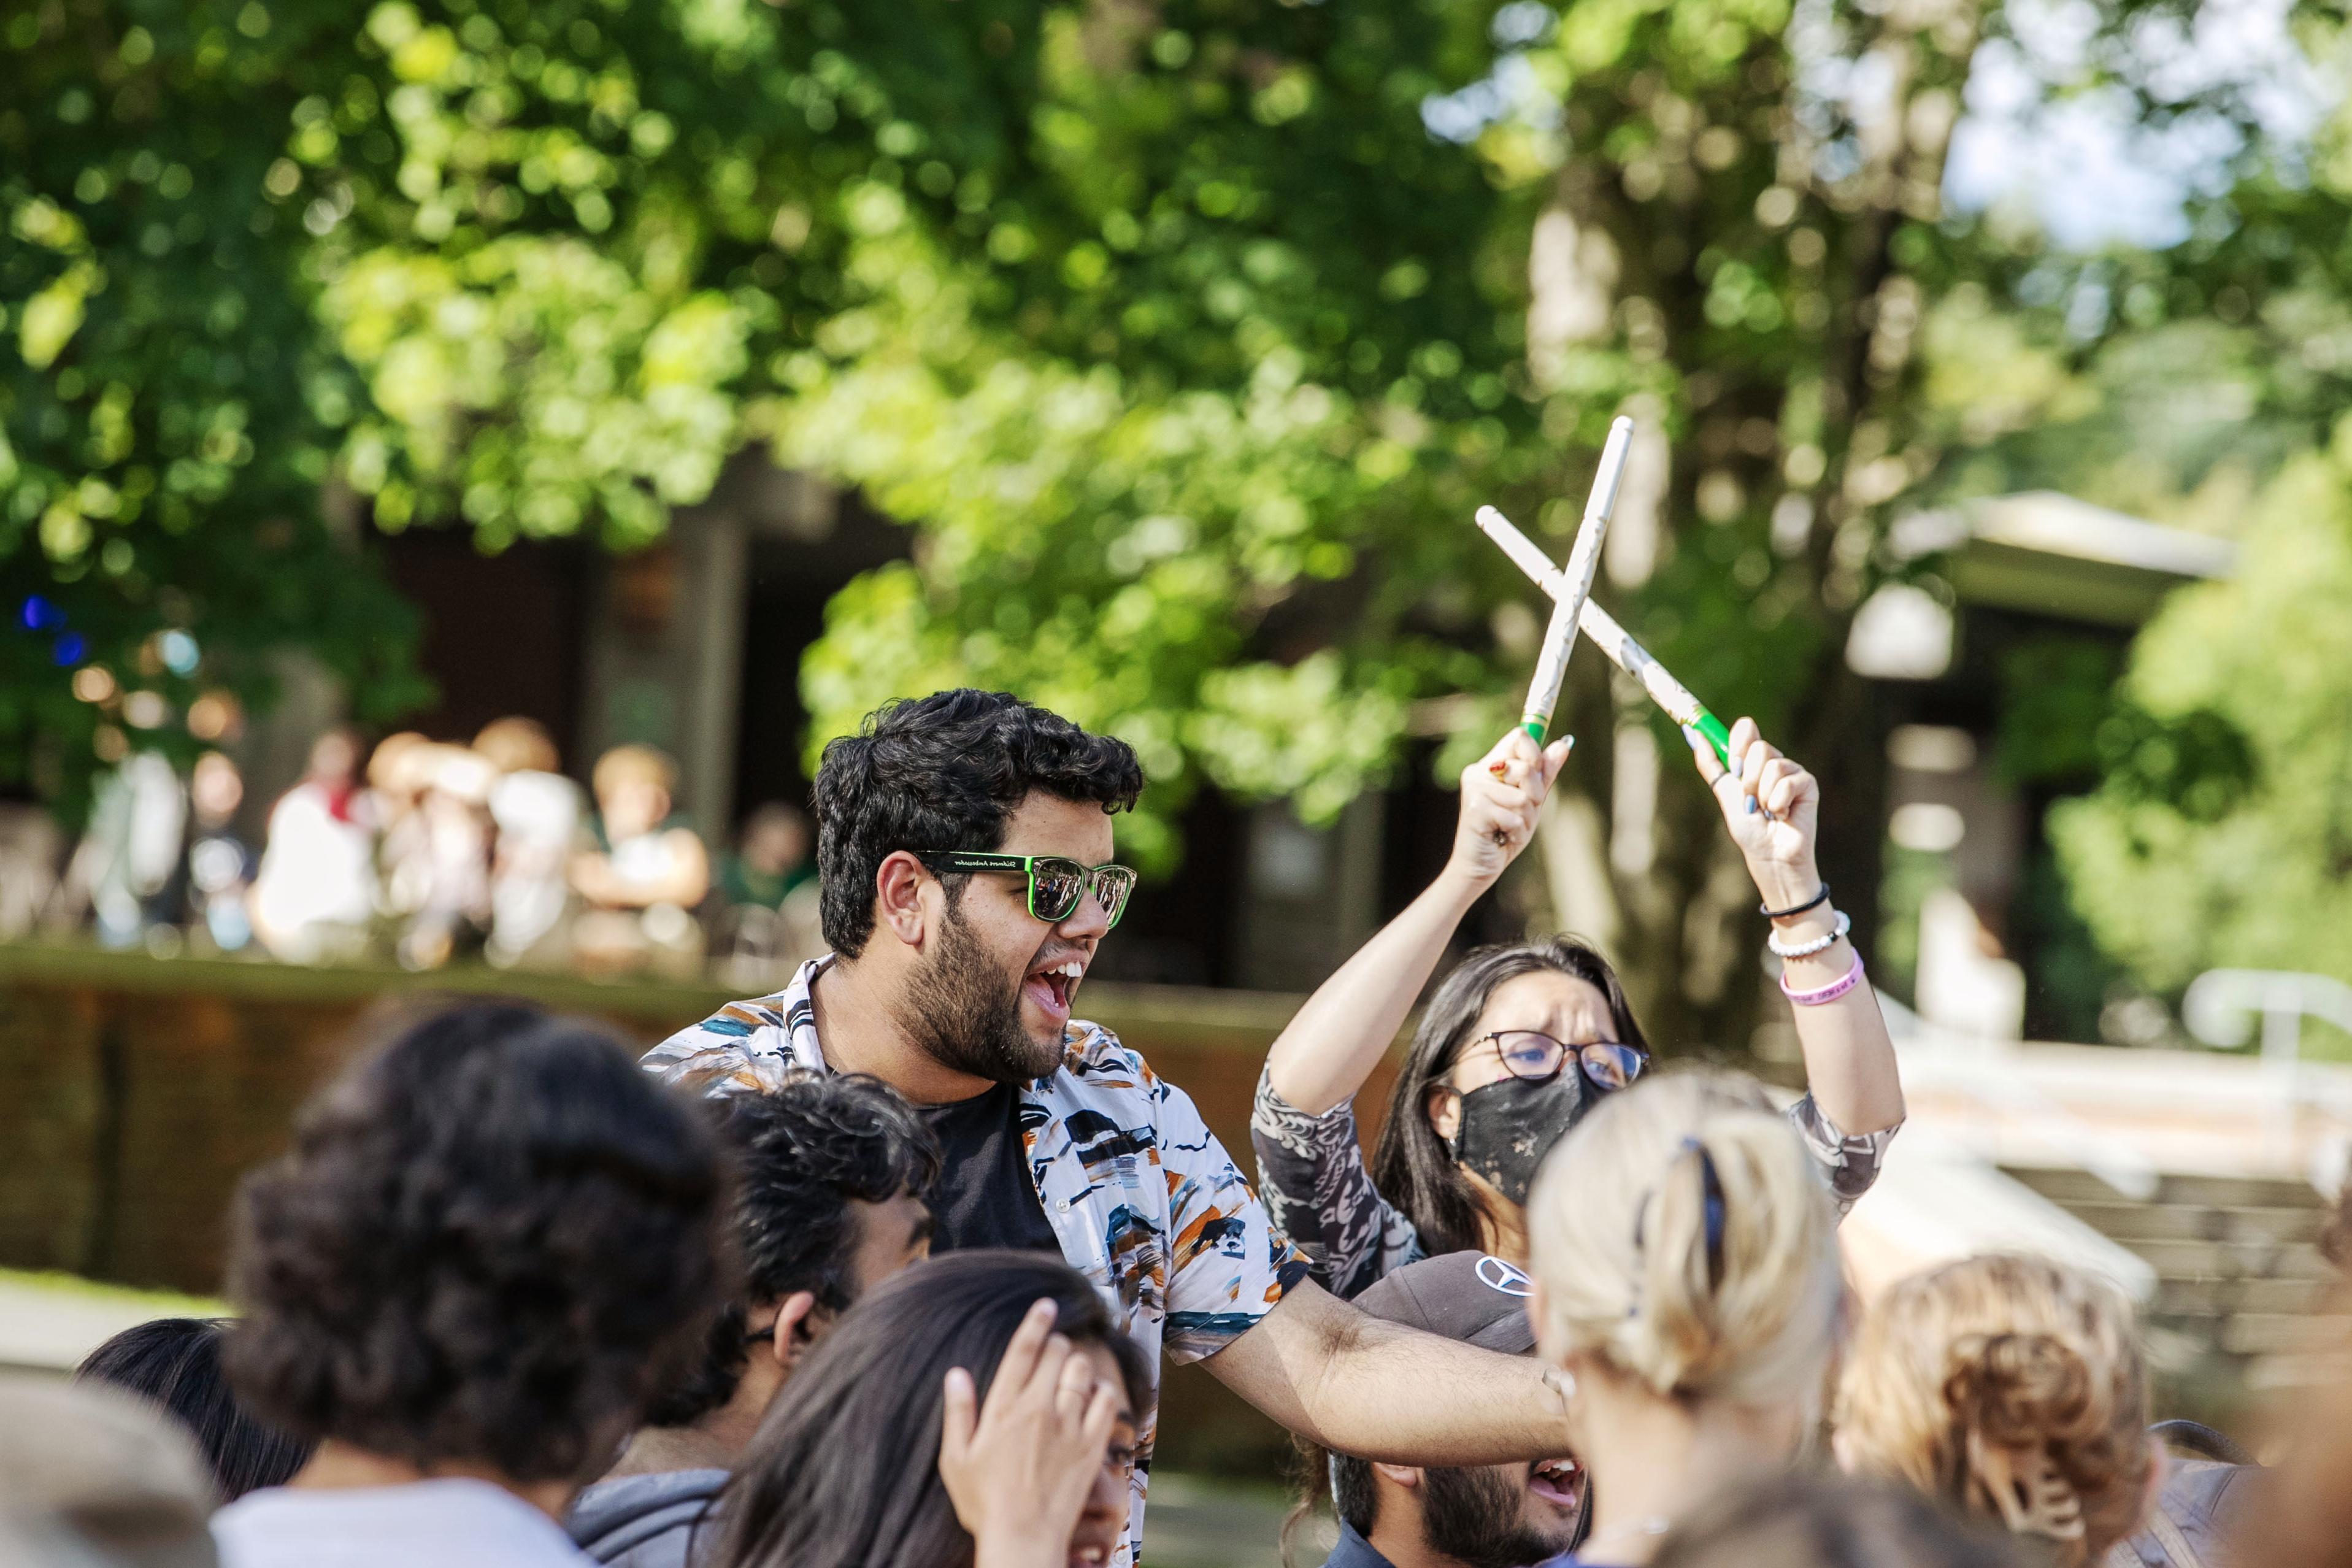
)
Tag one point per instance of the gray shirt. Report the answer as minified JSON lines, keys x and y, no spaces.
{"x":659,"y":1520}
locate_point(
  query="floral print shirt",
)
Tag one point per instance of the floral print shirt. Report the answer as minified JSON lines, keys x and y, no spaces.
{"x":1311,"y":1172}
{"x":1144,"y":1200}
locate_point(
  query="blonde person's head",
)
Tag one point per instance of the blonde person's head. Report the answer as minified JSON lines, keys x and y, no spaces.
{"x":2012,"y":1388}
{"x":1743,"y":1307}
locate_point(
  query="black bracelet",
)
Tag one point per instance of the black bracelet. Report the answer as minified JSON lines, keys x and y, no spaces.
{"x":1814,"y":902}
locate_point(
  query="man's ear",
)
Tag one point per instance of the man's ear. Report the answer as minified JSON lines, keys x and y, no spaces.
{"x":794,"y":1333}
{"x":899,"y":886}
{"x":1398,"y":1475}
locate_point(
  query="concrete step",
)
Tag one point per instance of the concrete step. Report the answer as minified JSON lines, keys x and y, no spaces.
{"x":2069,"y":1187}
{"x":2235,"y":1260}
{"x":2132,"y":1223}
{"x":2219,"y":1297}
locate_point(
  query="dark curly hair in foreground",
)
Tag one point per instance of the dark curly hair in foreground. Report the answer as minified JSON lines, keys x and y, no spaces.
{"x":802,"y":1154}
{"x":943,"y":773}
{"x":492,"y":1237}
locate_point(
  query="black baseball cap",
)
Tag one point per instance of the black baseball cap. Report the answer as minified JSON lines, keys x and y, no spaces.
{"x":1471,"y":1297}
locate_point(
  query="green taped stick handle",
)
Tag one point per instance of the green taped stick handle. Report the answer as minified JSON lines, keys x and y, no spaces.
{"x":1708,"y":725}
{"x":1536,"y":729}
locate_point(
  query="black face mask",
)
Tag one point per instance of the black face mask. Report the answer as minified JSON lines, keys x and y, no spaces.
{"x":1509,"y":1125}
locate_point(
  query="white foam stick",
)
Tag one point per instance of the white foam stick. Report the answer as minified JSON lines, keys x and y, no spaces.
{"x":1583,"y":561}
{"x":1607,"y":636}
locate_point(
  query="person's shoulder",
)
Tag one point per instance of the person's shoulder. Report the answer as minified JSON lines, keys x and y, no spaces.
{"x":644,"y":1520}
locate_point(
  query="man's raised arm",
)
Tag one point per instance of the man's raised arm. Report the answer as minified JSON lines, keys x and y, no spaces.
{"x":1333,"y":1373}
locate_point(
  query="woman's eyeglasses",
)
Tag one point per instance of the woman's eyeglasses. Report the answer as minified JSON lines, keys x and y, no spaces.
{"x":1055,"y":885}
{"x":1531,"y":1054}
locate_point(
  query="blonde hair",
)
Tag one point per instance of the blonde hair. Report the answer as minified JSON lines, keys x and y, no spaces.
{"x":2012,"y":1388}
{"x":1743,"y":1306}
{"x":631,"y":765}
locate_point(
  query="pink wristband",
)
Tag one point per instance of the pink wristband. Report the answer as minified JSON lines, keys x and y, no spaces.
{"x":1830,"y":992}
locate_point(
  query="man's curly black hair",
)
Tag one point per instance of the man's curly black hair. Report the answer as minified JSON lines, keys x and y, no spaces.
{"x":942,"y":772}
{"x":802,"y":1154}
{"x":491,"y":1239}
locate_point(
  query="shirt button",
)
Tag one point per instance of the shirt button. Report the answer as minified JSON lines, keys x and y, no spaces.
{"x":1062,"y":1204}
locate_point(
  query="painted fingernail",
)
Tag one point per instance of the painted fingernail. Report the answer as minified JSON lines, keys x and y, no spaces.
{"x":1750,"y":801}
{"x":1692,"y":738}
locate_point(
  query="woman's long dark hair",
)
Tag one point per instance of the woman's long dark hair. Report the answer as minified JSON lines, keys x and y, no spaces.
{"x":846,"y":1471}
{"x":177,"y":1362}
{"x":1412,"y":1168}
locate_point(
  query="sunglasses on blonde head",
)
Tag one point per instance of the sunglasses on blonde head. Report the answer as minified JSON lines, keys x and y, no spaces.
{"x":1056,"y":884}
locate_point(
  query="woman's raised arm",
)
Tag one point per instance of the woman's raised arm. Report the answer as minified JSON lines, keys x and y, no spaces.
{"x":1328,"y":1050}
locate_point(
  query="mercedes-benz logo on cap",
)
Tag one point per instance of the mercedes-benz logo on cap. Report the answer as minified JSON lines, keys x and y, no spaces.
{"x":1507,"y":1278}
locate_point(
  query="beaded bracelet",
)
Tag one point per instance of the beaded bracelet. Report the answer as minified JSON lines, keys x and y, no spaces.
{"x":1807,"y":950}
{"x":1830,"y":992}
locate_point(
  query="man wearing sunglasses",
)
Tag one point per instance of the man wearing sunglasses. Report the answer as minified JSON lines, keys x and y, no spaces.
{"x":965,"y":855}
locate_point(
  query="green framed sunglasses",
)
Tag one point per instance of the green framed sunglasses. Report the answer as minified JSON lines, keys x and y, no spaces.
{"x":1055,"y":883}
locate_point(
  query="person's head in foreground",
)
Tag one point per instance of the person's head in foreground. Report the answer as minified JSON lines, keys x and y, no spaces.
{"x":1516,"y":1046}
{"x":2011,"y":1388}
{"x":878,"y":1456}
{"x":831,"y":1179}
{"x":491,"y":1239}
{"x":964,"y":854}
{"x":91,"y":1477}
{"x":1686,"y":1277}
{"x":1827,"y":1521}
{"x":176,"y":1364}
{"x":1487,"y":1516}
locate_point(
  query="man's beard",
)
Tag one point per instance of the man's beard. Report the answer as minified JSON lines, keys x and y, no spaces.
{"x":1479,"y":1517}
{"x":961,"y":1007}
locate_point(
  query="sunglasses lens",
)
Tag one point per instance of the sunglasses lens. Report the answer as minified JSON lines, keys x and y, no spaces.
{"x":1112,"y":885}
{"x":1054,"y":889}
{"x":1610,"y":1067}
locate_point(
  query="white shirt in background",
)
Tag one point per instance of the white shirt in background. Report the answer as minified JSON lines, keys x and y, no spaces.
{"x":452,"y":1523}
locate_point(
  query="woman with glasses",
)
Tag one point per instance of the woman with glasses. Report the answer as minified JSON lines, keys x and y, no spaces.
{"x":1520,"y":1040}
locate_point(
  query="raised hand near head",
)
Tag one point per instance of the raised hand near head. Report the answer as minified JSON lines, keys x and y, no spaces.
{"x":1771,"y":806}
{"x":1502,"y":795}
{"x":1018,"y":1466}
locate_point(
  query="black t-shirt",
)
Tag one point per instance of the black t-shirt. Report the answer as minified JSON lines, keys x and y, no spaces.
{"x":986,"y":1197}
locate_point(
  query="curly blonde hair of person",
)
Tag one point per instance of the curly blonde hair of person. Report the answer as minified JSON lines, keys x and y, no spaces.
{"x":1682,"y":1234}
{"x":2011,"y":1388}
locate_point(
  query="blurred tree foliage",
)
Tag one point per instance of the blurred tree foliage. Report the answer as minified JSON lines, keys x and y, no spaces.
{"x":2221,"y":832}
{"x":1189,"y":334}
{"x":168,"y":405}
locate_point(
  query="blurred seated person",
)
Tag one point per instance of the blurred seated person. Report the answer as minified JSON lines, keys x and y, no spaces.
{"x":771,"y":922}
{"x":124,"y":865}
{"x":175,"y":1364}
{"x":221,"y":864}
{"x":832,"y":1178}
{"x":535,"y":813}
{"x":646,"y":871}
{"x":771,"y":858}
{"x":315,"y":894}
{"x":443,"y":875}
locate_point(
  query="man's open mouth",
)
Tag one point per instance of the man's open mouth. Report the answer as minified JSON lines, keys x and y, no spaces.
{"x":1559,"y":1483}
{"x":1052,"y":988}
